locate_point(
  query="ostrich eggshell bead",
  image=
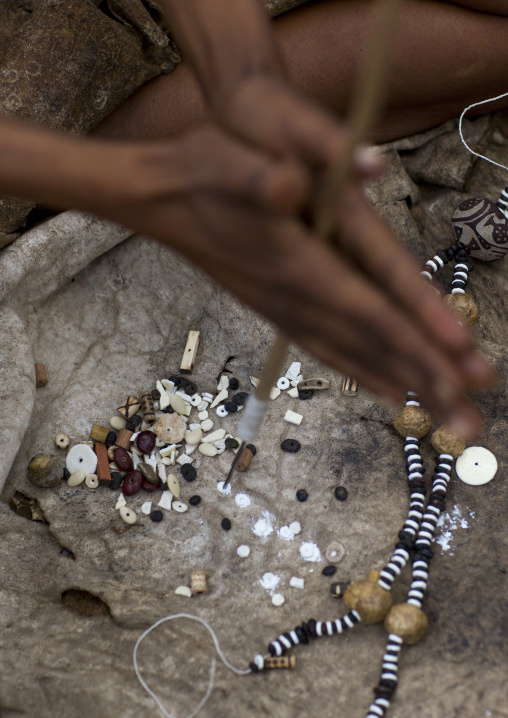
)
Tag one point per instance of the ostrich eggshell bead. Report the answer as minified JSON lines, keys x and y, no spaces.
{"x":412,"y":421}
{"x":481,"y":226}
{"x":448,"y":441}
{"x":408,"y":622}
{"x":464,"y":306}
{"x":370,"y":600}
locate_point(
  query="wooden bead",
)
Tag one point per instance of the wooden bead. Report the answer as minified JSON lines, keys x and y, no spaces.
{"x":147,"y":407}
{"x":171,"y":428}
{"x":103,"y":472}
{"x":349,"y":386}
{"x":464,"y":306}
{"x":448,"y":441}
{"x":41,"y":375}
{"x":123,"y":439}
{"x":189,"y":354}
{"x":99,"y":433}
{"x":407,"y":621}
{"x":370,"y":600}
{"x":244,"y":459}
{"x":198,"y":582}
{"x":129,"y":408}
{"x":280,"y":662}
{"x":412,"y":421}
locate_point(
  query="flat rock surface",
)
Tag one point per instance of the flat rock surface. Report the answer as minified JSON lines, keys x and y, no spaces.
{"x":111,"y":329}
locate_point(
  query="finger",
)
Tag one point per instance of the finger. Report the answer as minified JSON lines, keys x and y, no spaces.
{"x":376,"y":249}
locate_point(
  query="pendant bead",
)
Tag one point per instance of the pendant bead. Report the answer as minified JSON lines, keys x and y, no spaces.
{"x":464,"y":306}
{"x":370,"y":600}
{"x":448,"y":441}
{"x":412,"y":421}
{"x":407,"y":621}
{"x":482,"y":228}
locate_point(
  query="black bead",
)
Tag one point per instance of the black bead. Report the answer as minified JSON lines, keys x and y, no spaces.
{"x":405,"y":535}
{"x":271,"y":650}
{"x":427,"y":552}
{"x":164,"y":487}
{"x":253,"y":667}
{"x":341,"y":493}
{"x":287,"y":636}
{"x":169,"y":409}
{"x":110,"y":438}
{"x":408,"y":545}
{"x":189,"y":387}
{"x":232,"y":443}
{"x":354,"y":618}
{"x":231,"y":407}
{"x":383,"y":692}
{"x":177,"y":380}
{"x":133,"y":423}
{"x":302,"y":495}
{"x":441,"y":253}
{"x":305,"y":629}
{"x":234,"y":383}
{"x":387,"y":683}
{"x":312,"y":628}
{"x":156,"y":516}
{"x":302,"y":637}
{"x":188,"y":472}
{"x":437,"y":503}
{"x":240,"y":398}
{"x":226,"y":524}
{"x":65,"y":474}
{"x":329,"y":570}
{"x":252,"y":449}
{"x":156,"y":395}
{"x":438,"y":493}
{"x":305,"y":394}
{"x":290,"y":445}
{"x":116,"y":480}
{"x":417,"y":484}
{"x":195,"y":500}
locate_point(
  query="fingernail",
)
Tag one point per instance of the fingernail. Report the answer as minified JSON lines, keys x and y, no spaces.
{"x":368,"y":159}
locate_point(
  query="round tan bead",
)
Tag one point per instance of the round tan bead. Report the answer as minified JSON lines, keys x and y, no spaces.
{"x":374,"y":575}
{"x":370,"y":600}
{"x":463,"y":306}
{"x":62,"y":441}
{"x":448,"y":441}
{"x":171,"y":428}
{"x":408,"y":622}
{"x":412,"y":421}
{"x":111,"y":452}
{"x":198,"y":582}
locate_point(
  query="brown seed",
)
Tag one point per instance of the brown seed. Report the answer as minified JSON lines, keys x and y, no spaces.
{"x":407,"y":621}
{"x":448,"y":441}
{"x":171,"y":428}
{"x":370,"y":600}
{"x":412,"y":421}
{"x":41,"y":375}
{"x":464,"y":306}
{"x":198,"y":582}
{"x":43,"y":471}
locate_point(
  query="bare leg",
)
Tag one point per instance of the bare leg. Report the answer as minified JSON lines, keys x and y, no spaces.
{"x":445,"y":57}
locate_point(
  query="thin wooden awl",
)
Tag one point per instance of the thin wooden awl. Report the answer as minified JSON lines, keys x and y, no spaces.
{"x":189,"y":354}
{"x":349,"y":386}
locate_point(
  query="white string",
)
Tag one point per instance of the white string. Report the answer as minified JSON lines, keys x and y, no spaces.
{"x":477,"y":104}
{"x":213,"y":665}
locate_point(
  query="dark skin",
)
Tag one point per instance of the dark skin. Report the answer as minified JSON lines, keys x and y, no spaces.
{"x":229,"y":199}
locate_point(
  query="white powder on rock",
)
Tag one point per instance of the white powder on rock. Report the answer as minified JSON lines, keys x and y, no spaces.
{"x":264,"y":527}
{"x":310,"y":552}
{"x":242,"y":501}
{"x":448,"y":523}
{"x":287,"y":533}
{"x":270,"y":581}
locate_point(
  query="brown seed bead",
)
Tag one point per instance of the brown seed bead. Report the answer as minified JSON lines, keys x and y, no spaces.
{"x":412,"y":421}
{"x":370,"y":600}
{"x":464,"y":306}
{"x":447,"y":441}
{"x":408,"y":622}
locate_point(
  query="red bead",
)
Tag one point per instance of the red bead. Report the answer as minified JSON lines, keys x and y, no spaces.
{"x":123,"y":460}
{"x":132,"y":483}
{"x":149,"y":486}
{"x":145,"y":441}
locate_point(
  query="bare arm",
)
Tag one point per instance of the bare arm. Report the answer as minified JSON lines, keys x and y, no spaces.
{"x":496,"y":7}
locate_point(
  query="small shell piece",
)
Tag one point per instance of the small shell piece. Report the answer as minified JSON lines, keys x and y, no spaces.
{"x":207,"y":424}
{"x":62,"y":441}
{"x":278,"y":599}
{"x":183,"y":591}
{"x":407,"y":621}
{"x":448,"y":441}
{"x":173,"y":485}
{"x":198,"y":582}
{"x":293,"y":393}
{"x":180,"y":507}
{"x":283,"y":383}
{"x":118,"y":422}
{"x":214,"y":436}
{"x":293,"y":418}
{"x":127,"y":515}
{"x":194,"y":437}
{"x":296,"y":582}
{"x":208,"y":449}
{"x":92,"y":481}
{"x":166,"y":500}
{"x":178,"y":405}
{"x":220,"y":397}
{"x":412,"y":421}
{"x":76,"y":478}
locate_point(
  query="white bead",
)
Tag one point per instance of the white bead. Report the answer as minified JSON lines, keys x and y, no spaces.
{"x":81,"y":456}
{"x":476,"y":466}
{"x":278,"y":599}
{"x":293,"y":418}
{"x":283,"y":383}
{"x":221,"y":411}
